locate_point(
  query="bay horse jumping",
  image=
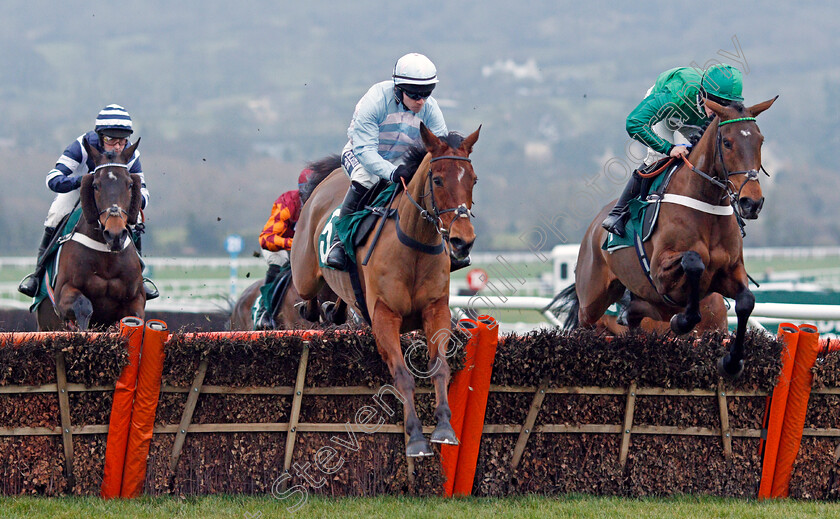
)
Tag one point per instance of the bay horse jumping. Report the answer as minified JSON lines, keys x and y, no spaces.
{"x":406,"y":280}
{"x":697,"y":248}
{"x":99,"y":279}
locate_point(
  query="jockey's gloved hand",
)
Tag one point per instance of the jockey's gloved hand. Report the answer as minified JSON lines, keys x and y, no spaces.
{"x":401,"y":172}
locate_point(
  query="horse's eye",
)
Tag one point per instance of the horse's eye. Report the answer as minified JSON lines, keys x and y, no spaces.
{"x":727,"y":144}
{"x":96,"y":186}
{"x":438,"y":181}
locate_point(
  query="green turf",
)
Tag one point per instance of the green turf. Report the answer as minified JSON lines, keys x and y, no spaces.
{"x":265,"y":507}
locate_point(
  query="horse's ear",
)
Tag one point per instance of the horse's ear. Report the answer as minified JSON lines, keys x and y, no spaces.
{"x":87,"y":200}
{"x":716,"y":108}
{"x":754,"y":110}
{"x":468,"y":143}
{"x":129,"y":152}
{"x":136,"y":198}
{"x":92,"y":152}
{"x":430,"y":140}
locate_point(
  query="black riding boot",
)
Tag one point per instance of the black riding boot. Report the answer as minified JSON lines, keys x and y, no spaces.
{"x":148,"y":286}
{"x":31,"y":283}
{"x":337,"y":258}
{"x":265,"y":317}
{"x":614,"y":222}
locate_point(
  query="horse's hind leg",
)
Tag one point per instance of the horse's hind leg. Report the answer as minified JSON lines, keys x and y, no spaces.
{"x":436,"y":325}
{"x":386,"y":330}
{"x":693,"y":267}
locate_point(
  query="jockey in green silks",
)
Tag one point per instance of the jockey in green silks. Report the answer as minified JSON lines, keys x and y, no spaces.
{"x":671,"y":116}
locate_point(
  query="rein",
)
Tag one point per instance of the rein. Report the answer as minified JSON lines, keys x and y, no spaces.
{"x":434,"y":217}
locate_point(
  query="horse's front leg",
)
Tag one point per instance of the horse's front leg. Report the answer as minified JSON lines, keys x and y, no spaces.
{"x":72,"y":306}
{"x":693,"y":267}
{"x":386,"y":329}
{"x":436,"y":325}
{"x":731,"y":365}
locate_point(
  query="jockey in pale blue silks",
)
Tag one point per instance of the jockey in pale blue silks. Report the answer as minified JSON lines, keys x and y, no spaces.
{"x":385,"y":124}
{"x":111,"y":130}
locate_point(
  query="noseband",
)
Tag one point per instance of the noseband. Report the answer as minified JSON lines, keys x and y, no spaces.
{"x":462,"y":211}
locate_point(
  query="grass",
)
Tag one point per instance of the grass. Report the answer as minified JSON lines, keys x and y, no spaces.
{"x":265,"y":507}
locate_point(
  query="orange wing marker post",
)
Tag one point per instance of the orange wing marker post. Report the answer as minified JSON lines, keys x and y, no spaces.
{"x":131,"y":327}
{"x":488,"y":333}
{"x":775,"y":414}
{"x":459,"y":390}
{"x":145,"y":406}
{"x":796,"y":408}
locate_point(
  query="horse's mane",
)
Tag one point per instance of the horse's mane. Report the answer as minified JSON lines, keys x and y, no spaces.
{"x":416,"y":153}
{"x":320,"y":170}
{"x":736,"y":105}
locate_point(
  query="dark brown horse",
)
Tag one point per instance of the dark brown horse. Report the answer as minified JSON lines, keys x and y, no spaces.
{"x":406,"y":287}
{"x":288,"y":316}
{"x":697,"y":248}
{"x":99,"y":279}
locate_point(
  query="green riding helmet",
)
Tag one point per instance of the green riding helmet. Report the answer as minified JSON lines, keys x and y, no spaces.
{"x":723,"y":82}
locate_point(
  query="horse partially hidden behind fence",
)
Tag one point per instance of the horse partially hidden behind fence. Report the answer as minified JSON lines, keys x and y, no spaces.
{"x":406,"y":280}
{"x":289,"y":315}
{"x":99,"y":279}
{"x":697,"y":248}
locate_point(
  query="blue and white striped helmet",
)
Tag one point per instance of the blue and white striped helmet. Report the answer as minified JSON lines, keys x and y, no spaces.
{"x":114,"y":121}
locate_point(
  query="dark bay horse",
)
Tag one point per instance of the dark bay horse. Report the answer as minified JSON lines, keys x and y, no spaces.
{"x":406,"y":287}
{"x":697,"y":249}
{"x":99,"y":279}
{"x":288,"y":316}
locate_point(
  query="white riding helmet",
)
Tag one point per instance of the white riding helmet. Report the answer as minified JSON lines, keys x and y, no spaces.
{"x":415,"y":69}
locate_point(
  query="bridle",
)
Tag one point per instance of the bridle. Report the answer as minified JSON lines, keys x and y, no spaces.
{"x":434,"y":216}
{"x":115,"y":210}
{"x":728,"y":186}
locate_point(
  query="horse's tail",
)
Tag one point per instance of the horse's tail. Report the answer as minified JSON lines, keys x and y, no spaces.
{"x":321,"y":169}
{"x":566,"y":302}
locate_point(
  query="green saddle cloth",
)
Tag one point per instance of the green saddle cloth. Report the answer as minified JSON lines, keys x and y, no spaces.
{"x":51,"y":259}
{"x":269,"y":293}
{"x":347,"y":227}
{"x":637,"y":209}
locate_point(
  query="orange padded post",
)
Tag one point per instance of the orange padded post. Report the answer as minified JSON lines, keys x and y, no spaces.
{"x":131,"y":327}
{"x":145,"y":406}
{"x":459,"y":390}
{"x":797,"y":406}
{"x":488,"y":332}
{"x":775,"y":414}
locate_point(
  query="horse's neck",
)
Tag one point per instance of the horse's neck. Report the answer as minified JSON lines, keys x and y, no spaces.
{"x":412,"y":222}
{"x":694,"y":185}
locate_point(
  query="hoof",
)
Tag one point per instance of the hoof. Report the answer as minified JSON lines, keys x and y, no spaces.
{"x":722,"y":364}
{"x":680,"y":324}
{"x":444,"y":433}
{"x":328,"y":311}
{"x":418,"y":449}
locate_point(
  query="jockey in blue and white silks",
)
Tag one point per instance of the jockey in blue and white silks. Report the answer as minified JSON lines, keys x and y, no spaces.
{"x":385,"y":124}
{"x":111,"y":130}
{"x":73,"y":164}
